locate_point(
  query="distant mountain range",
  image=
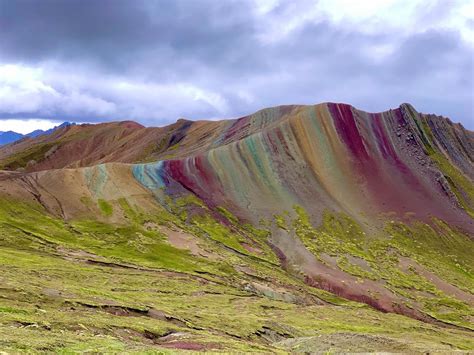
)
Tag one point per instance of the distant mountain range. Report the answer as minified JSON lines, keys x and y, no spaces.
{"x":10,"y":136}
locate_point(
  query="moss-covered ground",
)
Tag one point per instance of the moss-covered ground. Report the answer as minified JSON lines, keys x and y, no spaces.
{"x":402,"y":258}
{"x":87,"y":286}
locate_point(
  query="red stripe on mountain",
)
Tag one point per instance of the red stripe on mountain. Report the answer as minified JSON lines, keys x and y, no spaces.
{"x":347,"y":129}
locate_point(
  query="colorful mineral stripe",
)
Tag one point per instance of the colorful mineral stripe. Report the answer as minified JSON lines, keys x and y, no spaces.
{"x":324,"y":156}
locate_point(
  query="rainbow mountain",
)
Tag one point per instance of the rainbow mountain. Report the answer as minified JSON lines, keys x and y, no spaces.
{"x":297,"y":227}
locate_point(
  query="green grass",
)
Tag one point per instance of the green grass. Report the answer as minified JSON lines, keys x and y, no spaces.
{"x":21,"y":159}
{"x":220,"y":314}
{"x":443,"y":251}
{"x":105,"y":207}
{"x":462,"y":187}
{"x":54,"y":299}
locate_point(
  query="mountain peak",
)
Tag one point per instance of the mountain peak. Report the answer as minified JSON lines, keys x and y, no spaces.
{"x":9,"y":137}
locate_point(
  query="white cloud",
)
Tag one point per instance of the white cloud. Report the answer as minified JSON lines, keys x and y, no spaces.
{"x":25,"y":90}
{"x":276,"y":20}
{"x":405,"y":17}
{"x":55,"y":91}
{"x":26,"y":125}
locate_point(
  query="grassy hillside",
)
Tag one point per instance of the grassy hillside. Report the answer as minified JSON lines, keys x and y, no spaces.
{"x":89,"y":286}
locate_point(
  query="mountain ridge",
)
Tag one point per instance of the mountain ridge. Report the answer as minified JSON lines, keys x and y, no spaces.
{"x":223,"y":124}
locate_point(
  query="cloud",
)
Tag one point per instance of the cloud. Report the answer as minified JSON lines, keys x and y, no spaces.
{"x":59,"y":95}
{"x":155,"y":61}
{"x":23,"y":90}
{"x":25,"y":125}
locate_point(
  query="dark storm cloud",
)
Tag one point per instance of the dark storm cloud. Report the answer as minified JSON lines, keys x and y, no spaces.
{"x":122,"y":35}
{"x":154,"y":61}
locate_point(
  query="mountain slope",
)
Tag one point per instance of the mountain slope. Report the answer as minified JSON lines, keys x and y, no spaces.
{"x":350,"y":161}
{"x":85,"y":145}
{"x":306,"y":206}
{"x":346,"y":159}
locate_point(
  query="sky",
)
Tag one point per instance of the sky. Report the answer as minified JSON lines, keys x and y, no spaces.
{"x":157,"y":61}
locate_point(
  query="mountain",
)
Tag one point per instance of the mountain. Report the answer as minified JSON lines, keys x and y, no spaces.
{"x":296,"y":228}
{"x":11,"y":137}
{"x":40,"y":132}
